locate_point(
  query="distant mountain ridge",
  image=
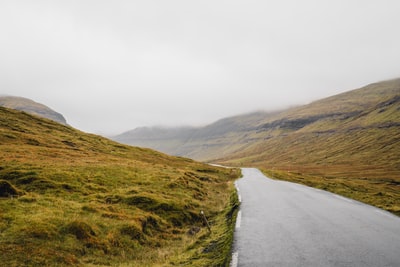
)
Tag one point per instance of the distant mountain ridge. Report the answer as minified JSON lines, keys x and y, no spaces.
{"x":232,"y":136}
{"x":32,"y":107}
{"x":195,"y":142}
{"x":158,"y":138}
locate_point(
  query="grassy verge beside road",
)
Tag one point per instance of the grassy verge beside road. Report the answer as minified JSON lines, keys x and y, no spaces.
{"x":213,"y":248}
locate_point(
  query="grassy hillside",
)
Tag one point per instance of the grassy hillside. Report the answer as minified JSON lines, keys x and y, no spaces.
{"x":348,"y":144}
{"x":70,"y":198}
{"x":32,"y":107}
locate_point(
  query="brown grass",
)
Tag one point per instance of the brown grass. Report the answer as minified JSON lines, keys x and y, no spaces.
{"x":85,"y":200}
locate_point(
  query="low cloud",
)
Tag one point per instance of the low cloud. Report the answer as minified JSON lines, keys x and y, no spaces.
{"x":112,"y":66}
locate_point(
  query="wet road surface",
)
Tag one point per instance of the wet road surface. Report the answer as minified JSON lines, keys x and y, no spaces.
{"x":286,"y":224}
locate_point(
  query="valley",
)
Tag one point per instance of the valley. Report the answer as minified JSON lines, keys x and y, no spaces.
{"x":73,"y":198}
{"x":199,"y":133}
{"x":347,"y":143}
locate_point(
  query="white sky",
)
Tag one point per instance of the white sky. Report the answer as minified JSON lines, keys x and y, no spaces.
{"x":111,"y":66}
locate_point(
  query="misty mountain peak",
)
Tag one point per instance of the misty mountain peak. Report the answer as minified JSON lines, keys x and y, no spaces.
{"x":32,"y":107}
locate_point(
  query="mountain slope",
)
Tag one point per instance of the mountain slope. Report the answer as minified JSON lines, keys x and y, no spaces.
{"x":335,"y":130}
{"x":32,"y":107}
{"x":71,"y":198}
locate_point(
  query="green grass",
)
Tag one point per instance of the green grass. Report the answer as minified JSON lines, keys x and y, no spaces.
{"x":70,"y":198}
{"x":213,"y":248}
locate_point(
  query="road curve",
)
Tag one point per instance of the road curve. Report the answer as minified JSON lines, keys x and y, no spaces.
{"x":287,"y":224}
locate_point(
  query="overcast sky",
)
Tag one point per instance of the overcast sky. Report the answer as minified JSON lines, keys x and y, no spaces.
{"x":111,"y":66}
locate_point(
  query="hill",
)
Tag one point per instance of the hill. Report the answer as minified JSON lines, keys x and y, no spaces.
{"x":71,"y":198}
{"x":347,"y":143}
{"x":32,"y":107}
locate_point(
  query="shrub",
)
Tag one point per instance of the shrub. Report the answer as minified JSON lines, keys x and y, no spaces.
{"x":80,"y":230}
{"x":133,"y":231}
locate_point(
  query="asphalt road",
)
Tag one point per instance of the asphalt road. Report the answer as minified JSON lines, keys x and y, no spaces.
{"x":287,"y":224}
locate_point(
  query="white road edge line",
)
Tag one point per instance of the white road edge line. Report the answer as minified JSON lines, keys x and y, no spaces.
{"x":235,"y":255}
{"x":235,"y":259}
{"x":238,"y":192}
{"x":238,"y":219}
{"x":343,"y":198}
